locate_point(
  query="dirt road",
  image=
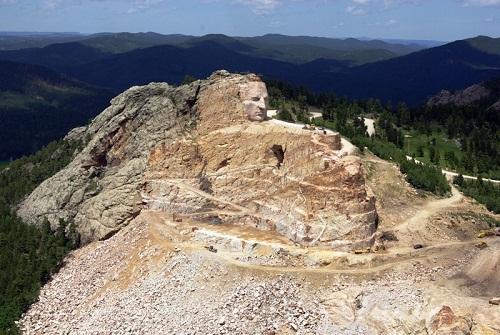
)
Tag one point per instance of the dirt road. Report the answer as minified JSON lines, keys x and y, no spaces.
{"x":413,"y":226}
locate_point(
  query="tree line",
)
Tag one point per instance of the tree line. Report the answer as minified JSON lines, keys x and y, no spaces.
{"x":484,"y":192}
{"x":29,"y":254}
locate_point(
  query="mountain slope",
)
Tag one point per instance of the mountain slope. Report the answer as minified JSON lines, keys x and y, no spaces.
{"x":171,"y":64}
{"x":415,"y":77}
{"x":58,"y":57}
{"x":486,"y":44}
{"x":205,"y":214}
{"x":38,"y":105}
{"x":411,"y":78}
{"x":19,"y":40}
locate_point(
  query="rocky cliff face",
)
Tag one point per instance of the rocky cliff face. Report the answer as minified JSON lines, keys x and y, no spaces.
{"x":495,"y":107}
{"x":99,"y":190}
{"x":463,"y":97}
{"x":485,"y":94}
{"x":200,"y":153}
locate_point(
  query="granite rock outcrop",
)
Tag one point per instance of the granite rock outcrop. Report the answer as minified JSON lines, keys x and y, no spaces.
{"x":207,"y":152}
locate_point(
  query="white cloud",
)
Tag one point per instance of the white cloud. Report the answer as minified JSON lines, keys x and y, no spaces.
{"x":390,"y":22}
{"x":393,"y":3}
{"x":356,"y":10}
{"x":261,"y":6}
{"x":359,"y":7}
{"x":389,"y":3}
{"x":135,"y":5}
{"x":51,"y":4}
{"x":481,"y":3}
{"x":139,"y":5}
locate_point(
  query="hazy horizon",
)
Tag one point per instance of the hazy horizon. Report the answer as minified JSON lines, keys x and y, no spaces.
{"x":34,"y":32}
{"x":443,"y":20}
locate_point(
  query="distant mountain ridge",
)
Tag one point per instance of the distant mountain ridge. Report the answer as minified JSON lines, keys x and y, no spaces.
{"x":45,"y":103}
{"x":297,"y":49}
{"x":23,"y":40}
{"x":420,"y":43}
{"x":411,"y":78}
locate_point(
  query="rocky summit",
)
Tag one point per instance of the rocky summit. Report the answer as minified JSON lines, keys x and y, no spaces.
{"x":202,"y":215}
{"x":206,"y":152}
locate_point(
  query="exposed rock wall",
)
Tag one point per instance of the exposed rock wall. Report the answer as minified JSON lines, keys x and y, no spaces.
{"x":267,"y":176}
{"x":99,"y":190}
{"x":193,"y":151}
{"x":460,"y":98}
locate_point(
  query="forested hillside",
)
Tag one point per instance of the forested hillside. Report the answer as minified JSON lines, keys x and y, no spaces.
{"x":38,"y":105}
{"x":475,"y":127}
{"x":29,"y":254}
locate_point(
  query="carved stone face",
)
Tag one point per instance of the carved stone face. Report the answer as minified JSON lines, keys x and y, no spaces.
{"x":254,"y":96}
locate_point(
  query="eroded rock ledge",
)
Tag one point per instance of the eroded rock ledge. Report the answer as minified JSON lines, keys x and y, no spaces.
{"x":202,"y":152}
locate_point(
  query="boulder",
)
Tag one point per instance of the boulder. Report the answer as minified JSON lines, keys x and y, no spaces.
{"x":446,"y":322}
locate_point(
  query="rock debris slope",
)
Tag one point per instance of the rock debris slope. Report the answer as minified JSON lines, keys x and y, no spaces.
{"x":205,"y":152}
{"x":151,"y":278}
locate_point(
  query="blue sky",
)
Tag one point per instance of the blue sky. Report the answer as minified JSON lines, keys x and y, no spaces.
{"x":410,"y":19}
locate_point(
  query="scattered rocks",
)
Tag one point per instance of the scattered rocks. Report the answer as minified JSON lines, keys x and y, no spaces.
{"x":268,"y":307}
{"x":137,"y":282}
{"x":482,"y":245}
